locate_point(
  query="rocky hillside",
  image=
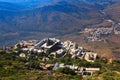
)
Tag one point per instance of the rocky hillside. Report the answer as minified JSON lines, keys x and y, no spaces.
{"x":113,"y":12}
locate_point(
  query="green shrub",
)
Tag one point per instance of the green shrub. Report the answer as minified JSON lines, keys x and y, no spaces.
{"x":66,"y":70}
{"x":78,"y":77}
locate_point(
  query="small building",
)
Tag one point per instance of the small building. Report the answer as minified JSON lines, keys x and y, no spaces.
{"x":62,"y":65}
{"x":85,"y":73}
{"x":56,"y":66}
{"x":22,"y":55}
{"x":73,"y":67}
{"x":89,"y":71}
{"x":90,"y":56}
{"x":58,"y":53}
{"x":24,"y":49}
{"x":92,"y":69}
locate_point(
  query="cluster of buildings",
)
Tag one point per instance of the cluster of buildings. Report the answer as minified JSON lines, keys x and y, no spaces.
{"x":55,"y":48}
{"x":80,"y":70}
{"x":96,"y":34}
{"x":117,"y":29}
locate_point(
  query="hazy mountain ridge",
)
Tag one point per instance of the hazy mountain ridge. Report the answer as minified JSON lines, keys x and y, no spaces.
{"x":24,"y":4}
{"x":59,"y":18}
{"x":44,"y":12}
{"x":10,"y":6}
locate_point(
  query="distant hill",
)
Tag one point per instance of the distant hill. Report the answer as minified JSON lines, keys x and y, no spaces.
{"x":60,"y":18}
{"x":57,"y":17}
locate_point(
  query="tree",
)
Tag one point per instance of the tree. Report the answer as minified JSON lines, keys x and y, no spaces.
{"x":66,"y":70}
